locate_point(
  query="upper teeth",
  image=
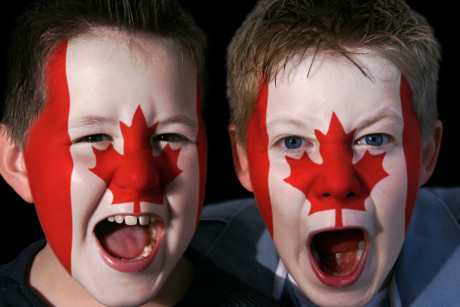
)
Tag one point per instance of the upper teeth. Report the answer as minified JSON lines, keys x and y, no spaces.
{"x":131,"y":220}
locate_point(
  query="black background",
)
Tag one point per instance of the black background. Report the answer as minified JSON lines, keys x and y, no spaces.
{"x":219,"y":20}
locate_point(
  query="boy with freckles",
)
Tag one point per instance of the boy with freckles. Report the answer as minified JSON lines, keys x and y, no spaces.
{"x":102,"y":131}
{"x":334,"y":129}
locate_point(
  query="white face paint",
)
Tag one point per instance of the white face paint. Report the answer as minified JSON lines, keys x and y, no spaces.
{"x":135,"y":147}
{"x":336,"y":162}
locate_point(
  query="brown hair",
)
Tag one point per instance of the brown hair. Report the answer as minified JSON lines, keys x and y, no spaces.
{"x":44,"y":24}
{"x":278,"y":31}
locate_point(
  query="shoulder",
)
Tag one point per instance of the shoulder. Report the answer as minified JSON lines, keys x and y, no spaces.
{"x":227,"y":211}
{"x":427,"y":269}
{"x":233,"y":235}
{"x":436,"y":216}
{"x":448,"y":198}
{"x":212,"y":286}
{"x":13,"y":288}
{"x":226,"y":219}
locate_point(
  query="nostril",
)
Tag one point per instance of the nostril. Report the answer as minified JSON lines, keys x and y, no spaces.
{"x":326,"y":194}
{"x":351,"y":194}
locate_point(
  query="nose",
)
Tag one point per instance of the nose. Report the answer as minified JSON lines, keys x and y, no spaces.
{"x":138,"y":172}
{"x":339,"y":181}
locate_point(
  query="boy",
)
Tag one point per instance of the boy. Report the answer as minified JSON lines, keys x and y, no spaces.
{"x":102,"y":131}
{"x":333,"y":128}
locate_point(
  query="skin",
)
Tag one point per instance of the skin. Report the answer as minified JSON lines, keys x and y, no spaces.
{"x":109,"y":76}
{"x":364,"y":107}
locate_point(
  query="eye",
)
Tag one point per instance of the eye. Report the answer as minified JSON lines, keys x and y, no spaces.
{"x":93,"y":138}
{"x":292,"y":142}
{"x":168,"y":137}
{"x":377,"y":139}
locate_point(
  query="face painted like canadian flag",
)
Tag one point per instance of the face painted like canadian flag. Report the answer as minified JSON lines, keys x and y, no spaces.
{"x":334,"y":160}
{"x":117,"y":162}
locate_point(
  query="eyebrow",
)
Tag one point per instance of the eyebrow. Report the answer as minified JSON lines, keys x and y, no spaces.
{"x":386,"y":114}
{"x":180,"y":119}
{"x":366,"y":122}
{"x":89,"y":121}
{"x":289,"y":121}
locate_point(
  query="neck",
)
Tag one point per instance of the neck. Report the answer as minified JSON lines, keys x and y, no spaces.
{"x":56,"y":287}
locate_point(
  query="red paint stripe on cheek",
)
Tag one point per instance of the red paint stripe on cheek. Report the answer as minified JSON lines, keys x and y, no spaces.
{"x":257,"y":153}
{"x":49,"y":162}
{"x":412,"y":147}
{"x":201,"y":147}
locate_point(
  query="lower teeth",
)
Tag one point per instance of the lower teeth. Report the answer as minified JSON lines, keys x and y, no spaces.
{"x":147,"y":250}
{"x":361,"y":246}
{"x":359,"y":253}
{"x":149,"y":247}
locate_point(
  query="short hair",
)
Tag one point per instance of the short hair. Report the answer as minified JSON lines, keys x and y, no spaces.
{"x":44,"y":24}
{"x":277,"y":31}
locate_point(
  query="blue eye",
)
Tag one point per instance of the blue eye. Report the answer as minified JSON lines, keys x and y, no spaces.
{"x":292,"y":142}
{"x":374,"y":140}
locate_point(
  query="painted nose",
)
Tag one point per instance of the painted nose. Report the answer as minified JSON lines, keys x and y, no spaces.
{"x":340,"y":181}
{"x":138,"y":173}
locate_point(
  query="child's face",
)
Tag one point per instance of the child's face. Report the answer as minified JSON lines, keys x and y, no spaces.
{"x":119,"y":143}
{"x":337,"y":185}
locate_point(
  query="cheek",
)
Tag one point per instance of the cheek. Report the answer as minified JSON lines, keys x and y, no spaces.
{"x":287,"y":203}
{"x":389,"y":199}
{"x":257,"y":153}
{"x":412,"y":147}
{"x":188,"y":183}
{"x":87,"y":190}
{"x":202,"y":151}
{"x":49,"y":163}
{"x":390,"y":195}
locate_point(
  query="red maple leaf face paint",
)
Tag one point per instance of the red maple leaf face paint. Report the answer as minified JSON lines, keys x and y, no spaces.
{"x":137,"y":175}
{"x":333,"y":158}
{"x":337,"y":183}
{"x":117,"y":162}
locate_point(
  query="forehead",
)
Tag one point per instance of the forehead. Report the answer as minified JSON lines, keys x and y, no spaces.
{"x":310,"y":90}
{"x":111,"y":69}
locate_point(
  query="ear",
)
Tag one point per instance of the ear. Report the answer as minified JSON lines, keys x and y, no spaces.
{"x":430,"y":152}
{"x":12,"y":166}
{"x":240,"y":159}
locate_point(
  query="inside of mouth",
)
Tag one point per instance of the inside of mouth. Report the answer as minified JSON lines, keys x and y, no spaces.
{"x":338,"y":252}
{"x":127,"y":242}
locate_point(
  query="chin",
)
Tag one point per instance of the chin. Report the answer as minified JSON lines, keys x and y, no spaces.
{"x":353,"y":296}
{"x":115,"y":288}
{"x":124,"y":296}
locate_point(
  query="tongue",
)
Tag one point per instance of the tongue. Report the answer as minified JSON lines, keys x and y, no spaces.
{"x":338,"y":251}
{"x":123,"y":241}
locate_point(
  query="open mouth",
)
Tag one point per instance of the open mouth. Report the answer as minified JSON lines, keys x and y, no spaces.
{"x":129,"y":242}
{"x":338,"y":256}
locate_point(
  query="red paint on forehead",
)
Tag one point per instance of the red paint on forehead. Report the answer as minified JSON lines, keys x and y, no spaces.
{"x":49,"y":162}
{"x":137,"y":175}
{"x":336,"y":183}
{"x":257,"y":153}
{"x":412,"y":147}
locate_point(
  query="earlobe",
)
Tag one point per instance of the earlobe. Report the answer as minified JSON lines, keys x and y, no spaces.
{"x":12,"y":166}
{"x":430,"y":153}
{"x":240,"y":159}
